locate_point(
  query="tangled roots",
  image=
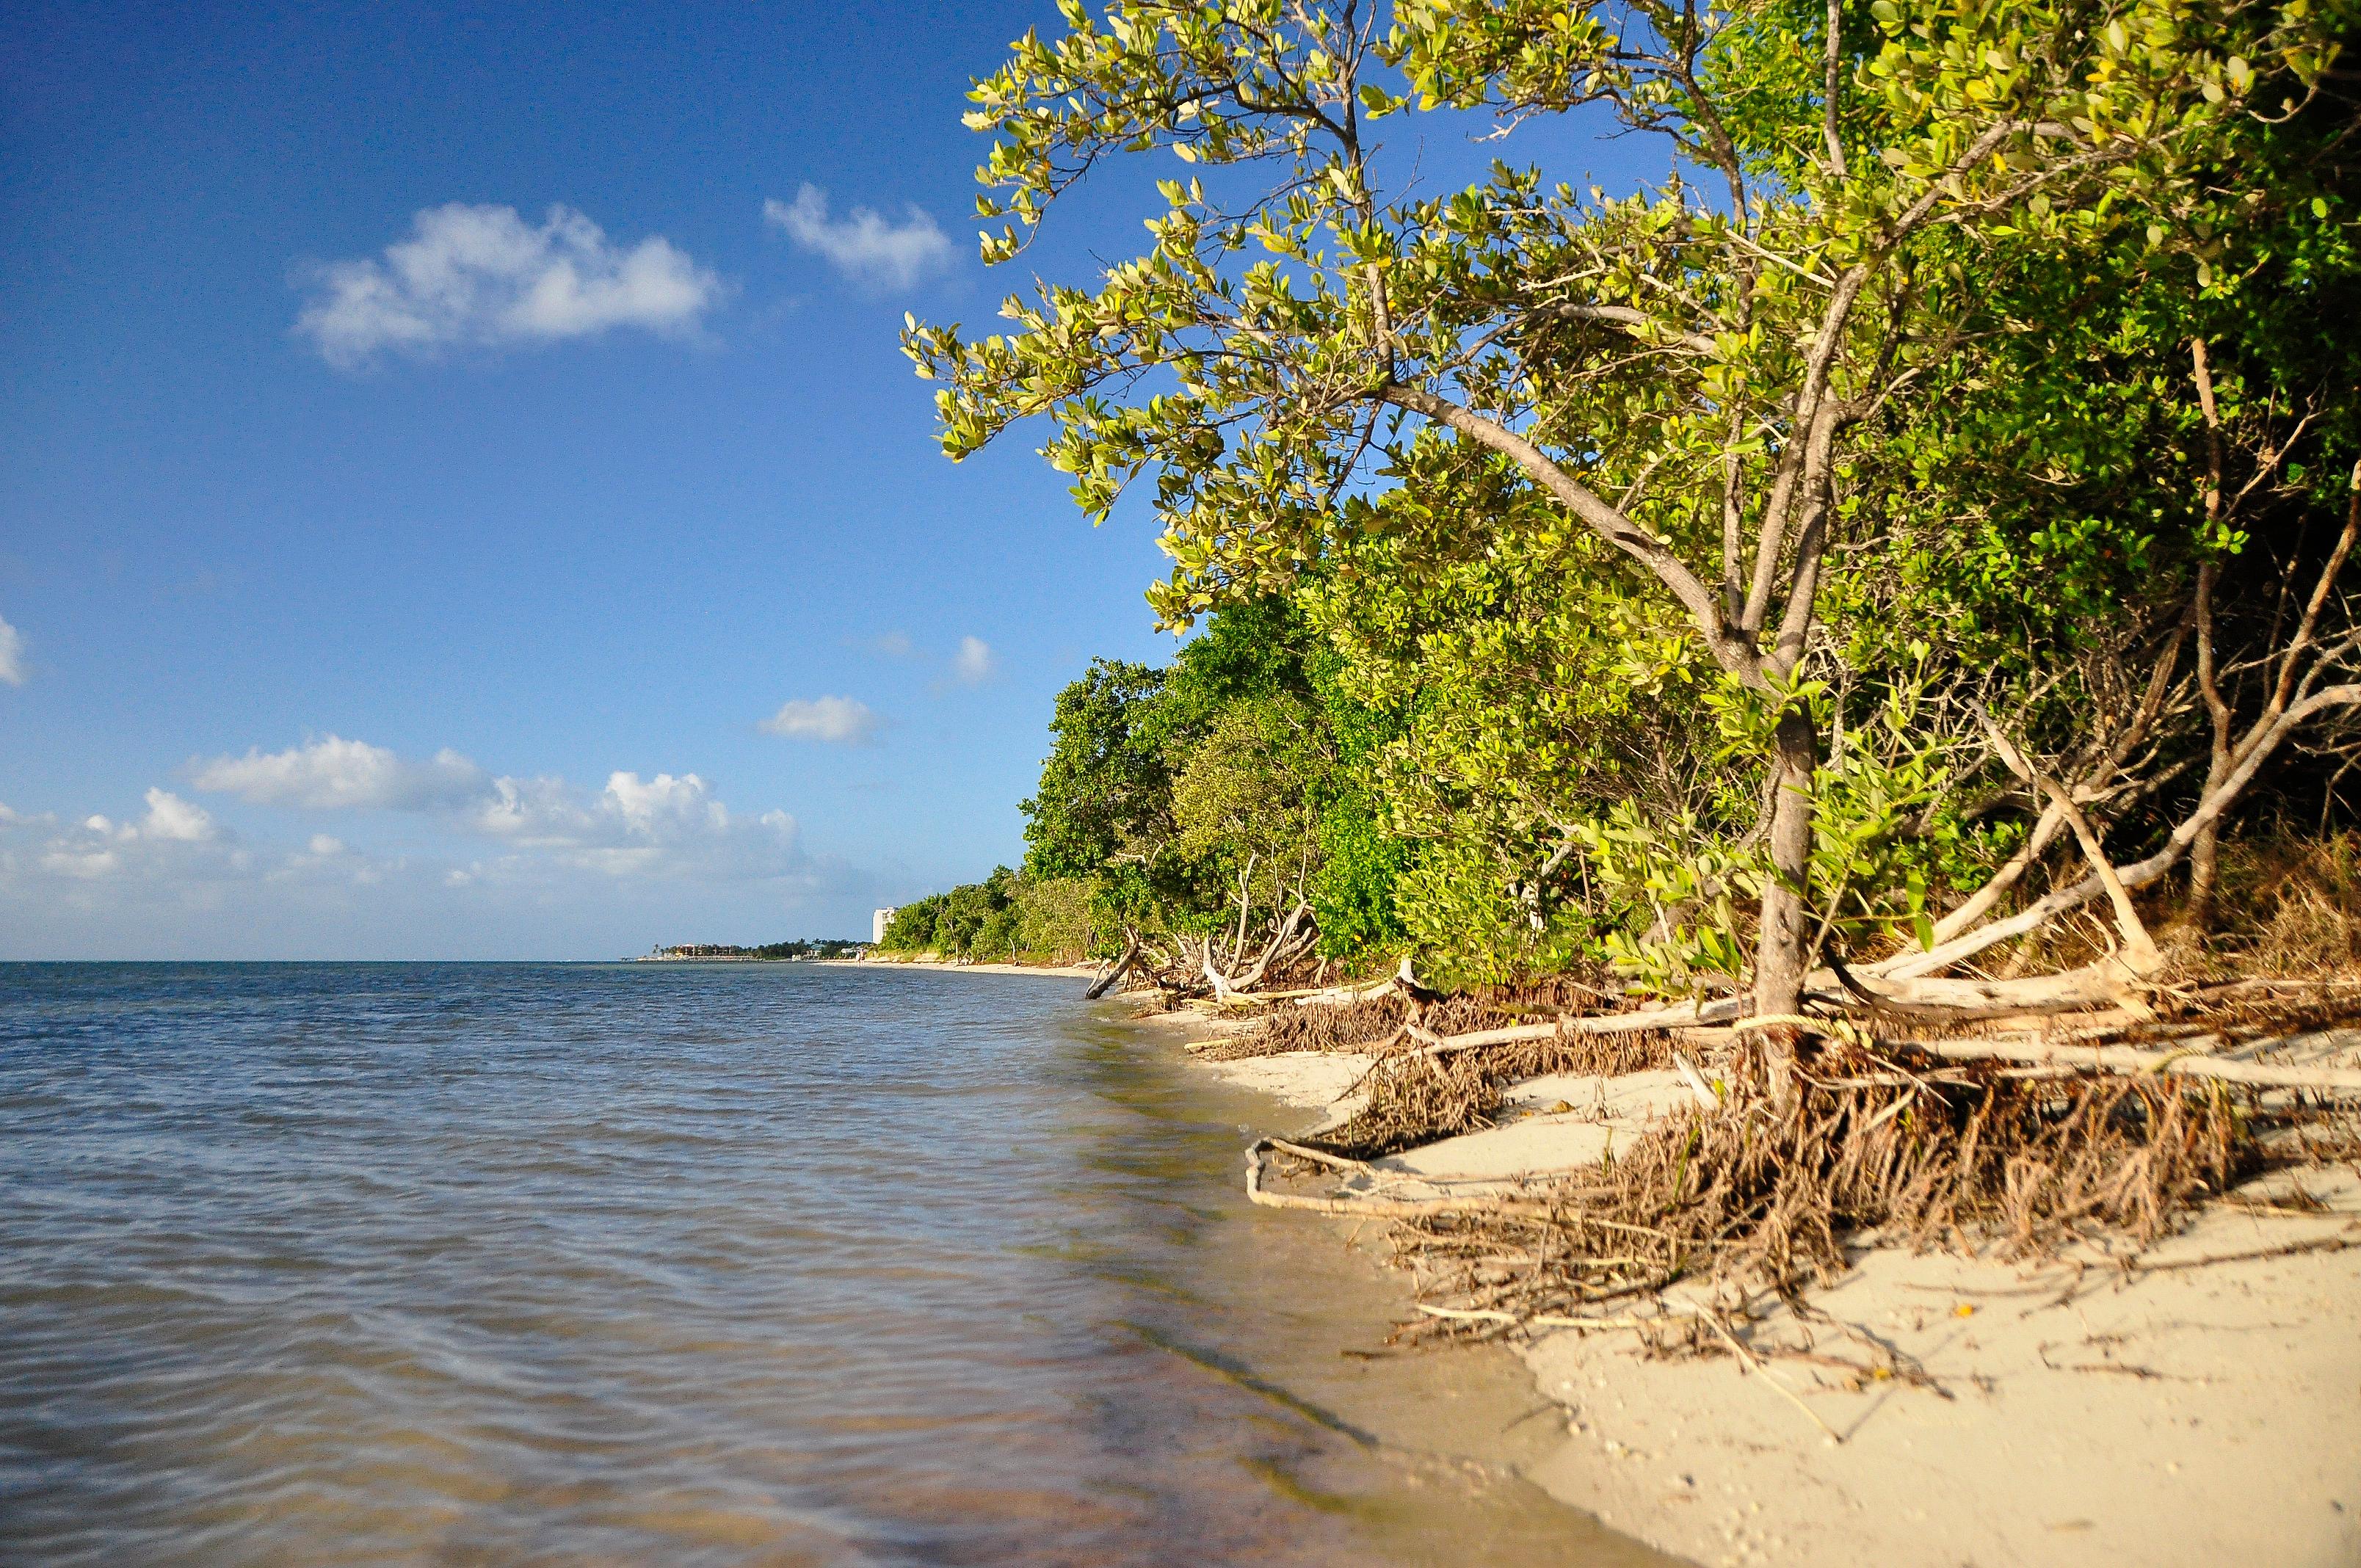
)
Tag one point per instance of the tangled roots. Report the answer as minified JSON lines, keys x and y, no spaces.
{"x":1415,"y":1097}
{"x":1766,"y":1196}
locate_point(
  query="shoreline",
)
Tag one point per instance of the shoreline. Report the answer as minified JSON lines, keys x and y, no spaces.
{"x":2080,"y":1412}
{"x":1063,"y":971}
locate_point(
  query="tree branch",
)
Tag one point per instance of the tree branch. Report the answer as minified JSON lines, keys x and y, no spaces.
{"x":1732,"y":651}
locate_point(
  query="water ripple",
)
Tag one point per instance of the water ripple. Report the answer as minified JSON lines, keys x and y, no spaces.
{"x":633,"y":1264}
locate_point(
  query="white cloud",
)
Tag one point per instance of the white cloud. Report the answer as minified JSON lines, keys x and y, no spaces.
{"x":527,"y":866}
{"x":669,"y":826}
{"x":176,"y":837}
{"x":973,"y":663}
{"x":666,"y":825}
{"x":169,"y":817}
{"x":482,"y":276}
{"x":546,"y":813}
{"x":837,"y":719}
{"x":517,"y":863}
{"x":863,"y":245}
{"x":12,"y":655}
{"x":332,"y":774}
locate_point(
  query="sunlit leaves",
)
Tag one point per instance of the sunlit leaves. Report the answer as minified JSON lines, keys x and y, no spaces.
{"x":2028,"y":202}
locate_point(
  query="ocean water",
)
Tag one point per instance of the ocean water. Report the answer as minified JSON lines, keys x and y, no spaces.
{"x":663,"y":1264}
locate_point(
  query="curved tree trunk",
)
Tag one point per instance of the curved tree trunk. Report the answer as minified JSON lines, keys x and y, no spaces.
{"x":2204,"y":871}
{"x":1780,"y":956}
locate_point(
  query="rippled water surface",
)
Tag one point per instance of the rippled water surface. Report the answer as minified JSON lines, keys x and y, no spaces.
{"x":685,"y":1264}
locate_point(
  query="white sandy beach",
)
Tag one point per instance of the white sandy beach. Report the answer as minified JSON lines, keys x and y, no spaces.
{"x":2085,"y":1414}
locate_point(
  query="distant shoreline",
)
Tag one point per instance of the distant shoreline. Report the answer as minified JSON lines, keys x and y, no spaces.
{"x":1065,"y":972}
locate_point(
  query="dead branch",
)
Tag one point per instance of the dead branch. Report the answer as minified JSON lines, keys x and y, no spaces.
{"x":2183,"y":1063}
{"x":1120,"y":968}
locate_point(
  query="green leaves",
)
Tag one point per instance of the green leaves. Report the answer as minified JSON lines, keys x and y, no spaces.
{"x":1538,"y":463}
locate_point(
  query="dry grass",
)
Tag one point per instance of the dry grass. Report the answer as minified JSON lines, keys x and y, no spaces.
{"x":1354,"y":1026}
{"x":2291,"y":906}
{"x":1415,"y":1098}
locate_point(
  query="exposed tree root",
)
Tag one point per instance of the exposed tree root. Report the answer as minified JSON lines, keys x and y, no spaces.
{"x":2016,"y":1143}
{"x":1769,"y":1198}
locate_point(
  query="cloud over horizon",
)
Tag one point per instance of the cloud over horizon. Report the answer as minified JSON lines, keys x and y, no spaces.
{"x":842,"y":720}
{"x":480,"y":275}
{"x":863,"y":245}
{"x":649,"y":850}
{"x":12,"y":655}
{"x":333,"y":773}
{"x":666,"y":825}
{"x":554,"y":872}
{"x":176,"y":836}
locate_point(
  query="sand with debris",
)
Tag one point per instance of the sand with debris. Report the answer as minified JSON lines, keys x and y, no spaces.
{"x":2082,"y":1411}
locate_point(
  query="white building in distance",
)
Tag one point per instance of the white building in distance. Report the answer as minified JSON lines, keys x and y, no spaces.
{"x":877,"y":924}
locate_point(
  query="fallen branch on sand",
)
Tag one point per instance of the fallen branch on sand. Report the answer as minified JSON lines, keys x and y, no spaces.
{"x":2183,"y":1061}
{"x":2186,"y":1062}
{"x":1681,"y":1017}
{"x":1371,"y":1206}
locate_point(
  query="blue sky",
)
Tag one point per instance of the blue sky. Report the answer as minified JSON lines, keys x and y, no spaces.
{"x":461,"y":496}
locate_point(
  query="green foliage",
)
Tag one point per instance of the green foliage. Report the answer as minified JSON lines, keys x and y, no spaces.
{"x":1518,"y":516}
{"x":1105,"y":789}
{"x":912,"y":929}
{"x":1056,"y":922}
{"x":1176,"y":792}
{"x":795,"y":948}
{"x":1007,"y":916}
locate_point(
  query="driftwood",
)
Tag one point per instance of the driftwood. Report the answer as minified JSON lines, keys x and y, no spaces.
{"x":1107,"y":981}
{"x":1401,"y":979}
{"x":2181,"y":1063}
{"x":1392,"y":1208}
{"x":2184,"y":1062}
{"x":1379,"y":1208}
{"x":1687,"y":1016}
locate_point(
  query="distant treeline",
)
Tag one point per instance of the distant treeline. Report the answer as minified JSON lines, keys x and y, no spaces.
{"x":1007,"y":916}
{"x":818,"y":948}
